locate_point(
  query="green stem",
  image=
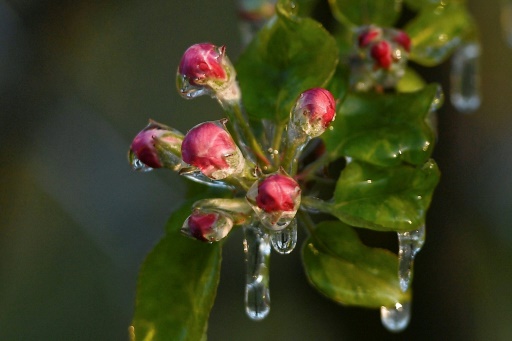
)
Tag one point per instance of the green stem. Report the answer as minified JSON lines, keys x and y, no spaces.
{"x":235,"y":110}
{"x":306,"y":220}
{"x":309,"y":171}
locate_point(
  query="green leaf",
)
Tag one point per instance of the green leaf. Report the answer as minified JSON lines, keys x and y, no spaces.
{"x":339,"y":266}
{"x":416,"y":5}
{"x":366,"y":12}
{"x":177,"y":286}
{"x":410,"y":82}
{"x":383,"y":129}
{"x":385,"y":198}
{"x":437,"y":31}
{"x":288,"y":56}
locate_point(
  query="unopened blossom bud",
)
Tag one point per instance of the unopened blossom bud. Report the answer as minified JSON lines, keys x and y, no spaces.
{"x":275,"y":199}
{"x":204,"y":69}
{"x":369,"y":35}
{"x":209,"y":147}
{"x":313,"y":112}
{"x":403,"y":39}
{"x":156,"y":146}
{"x":207,"y":226}
{"x":382,"y":54}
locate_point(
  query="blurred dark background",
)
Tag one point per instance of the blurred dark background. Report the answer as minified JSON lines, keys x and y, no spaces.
{"x":78,"y":79}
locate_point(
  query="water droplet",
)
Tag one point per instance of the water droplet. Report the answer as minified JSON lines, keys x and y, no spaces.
{"x":409,"y":244}
{"x":257,"y":260}
{"x":396,"y":318}
{"x":465,"y":78}
{"x":506,"y":20}
{"x":284,"y":241}
{"x":138,"y":165}
{"x":189,"y":91}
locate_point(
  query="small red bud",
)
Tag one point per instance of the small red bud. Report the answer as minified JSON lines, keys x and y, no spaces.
{"x":314,"y":111}
{"x":209,"y":147}
{"x":156,"y":146}
{"x":382,"y":54}
{"x":369,"y":35}
{"x":404,"y":40}
{"x":275,"y":199}
{"x":207,"y":226}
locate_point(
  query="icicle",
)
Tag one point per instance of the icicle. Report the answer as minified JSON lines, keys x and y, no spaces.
{"x":506,"y":20}
{"x":138,"y":165}
{"x":284,"y":241}
{"x":396,"y":318}
{"x":409,"y":244}
{"x":257,"y":258}
{"x":465,"y":78}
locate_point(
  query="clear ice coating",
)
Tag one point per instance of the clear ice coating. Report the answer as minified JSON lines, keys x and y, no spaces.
{"x":506,"y":20}
{"x":257,"y":259}
{"x":138,"y":165}
{"x":284,"y":241}
{"x":409,"y":244}
{"x":195,"y":174}
{"x":465,"y":78}
{"x":396,"y":318}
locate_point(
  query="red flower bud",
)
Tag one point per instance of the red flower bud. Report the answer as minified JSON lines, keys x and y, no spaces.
{"x":209,"y":147}
{"x":403,"y":39}
{"x":275,"y":199}
{"x":207,"y":226}
{"x":314,"y":111}
{"x":369,"y":35}
{"x":382,"y":54}
{"x":204,"y":69}
{"x":156,"y":146}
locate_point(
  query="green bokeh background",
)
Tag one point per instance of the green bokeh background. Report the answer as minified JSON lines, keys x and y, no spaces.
{"x":78,"y":79}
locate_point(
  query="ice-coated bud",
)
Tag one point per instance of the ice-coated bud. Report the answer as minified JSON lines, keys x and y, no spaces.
{"x":204,"y":69}
{"x":207,"y":226}
{"x":382,"y":54}
{"x":275,"y":199}
{"x":314,"y":111}
{"x":209,"y":147}
{"x":156,"y":146}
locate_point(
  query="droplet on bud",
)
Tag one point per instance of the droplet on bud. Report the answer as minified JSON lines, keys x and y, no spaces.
{"x":285,"y":240}
{"x":275,"y":199}
{"x":209,"y":147}
{"x":207,"y":226}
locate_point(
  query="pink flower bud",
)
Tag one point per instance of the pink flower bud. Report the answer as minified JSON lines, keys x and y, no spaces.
{"x":314,"y":111}
{"x":207,"y":226}
{"x":156,"y":146}
{"x":275,"y":199}
{"x":204,"y":69}
{"x":382,"y":54}
{"x":209,"y":147}
{"x":369,"y":35}
{"x":403,"y":39}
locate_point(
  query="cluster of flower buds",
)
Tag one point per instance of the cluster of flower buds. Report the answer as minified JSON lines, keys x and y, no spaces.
{"x":208,"y":153}
{"x":382,"y":57}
